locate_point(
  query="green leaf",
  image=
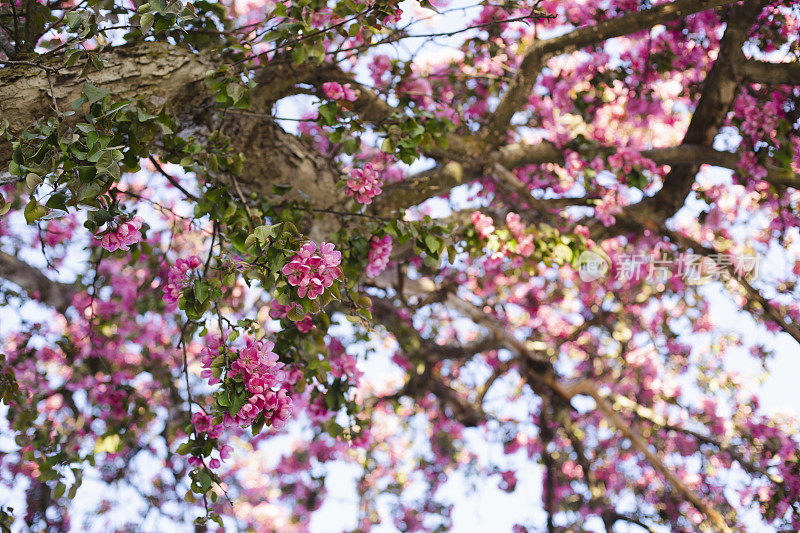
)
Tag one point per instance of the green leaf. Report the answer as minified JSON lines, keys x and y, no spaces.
{"x":223,"y":401}
{"x":89,"y":190}
{"x":201,"y":289}
{"x":237,"y":402}
{"x":34,"y":211}
{"x":33,"y":180}
{"x":296,"y":314}
{"x":235,"y":91}
{"x":325,"y":298}
{"x":73,"y":19}
{"x":58,"y":200}
{"x":432,"y":243}
{"x":258,"y":425}
{"x":94,"y":93}
{"x":146,"y":22}
{"x":329,"y":113}
{"x":264,"y":233}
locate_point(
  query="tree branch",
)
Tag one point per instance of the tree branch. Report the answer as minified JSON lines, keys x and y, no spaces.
{"x":652,"y":417}
{"x":719,"y":91}
{"x":792,"y":328}
{"x":441,"y":179}
{"x":640,"y":444}
{"x":535,"y":56}
{"x":771,"y":73}
{"x":35,"y":283}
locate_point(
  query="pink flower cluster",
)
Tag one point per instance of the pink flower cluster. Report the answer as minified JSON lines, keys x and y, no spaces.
{"x":313,"y":272}
{"x":342,"y":363}
{"x":380,"y":250}
{"x":336,"y":91}
{"x":364,"y":184}
{"x":318,"y":409}
{"x":59,"y":231}
{"x":626,"y":159}
{"x":204,"y":423}
{"x":525,"y":244}
{"x":380,"y":66}
{"x":178,"y":277}
{"x":483,"y":224}
{"x":126,"y":235}
{"x":610,"y":204}
{"x":258,"y":367}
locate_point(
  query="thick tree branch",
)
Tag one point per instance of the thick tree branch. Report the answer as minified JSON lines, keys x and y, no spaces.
{"x":770,"y":73}
{"x":520,"y":154}
{"x":35,"y":283}
{"x":422,"y":186}
{"x":441,"y":179}
{"x":7,"y":46}
{"x":158,"y":72}
{"x":508,"y":180}
{"x":719,"y":90}
{"x":387,"y":313}
{"x":535,"y":56}
{"x":167,"y":75}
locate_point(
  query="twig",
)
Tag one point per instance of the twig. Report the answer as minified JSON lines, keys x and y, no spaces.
{"x":172,"y":180}
{"x":640,"y":444}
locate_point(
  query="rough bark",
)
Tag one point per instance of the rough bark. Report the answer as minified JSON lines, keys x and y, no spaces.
{"x":171,"y":76}
{"x":166,"y":75}
{"x":158,"y":72}
{"x":272,"y":156}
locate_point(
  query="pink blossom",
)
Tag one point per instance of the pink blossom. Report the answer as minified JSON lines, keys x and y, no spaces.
{"x":126,"y":235}
{"x":509,"y":478}
{"x":258,"y":367}
{"x":335,"y":91}
{"x":364,"y":184}
{"x":178,"y":278}
{"x":483,"y":224}
{"x":342,"y":363}
{"x":380,"y":250}
{"x":313,"y":272}
{"x":59,"y":231}
{"x":379,"y":67}
{"x":225,"y":452}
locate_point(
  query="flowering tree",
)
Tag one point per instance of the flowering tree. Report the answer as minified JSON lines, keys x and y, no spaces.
{"x":521,"y":233}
